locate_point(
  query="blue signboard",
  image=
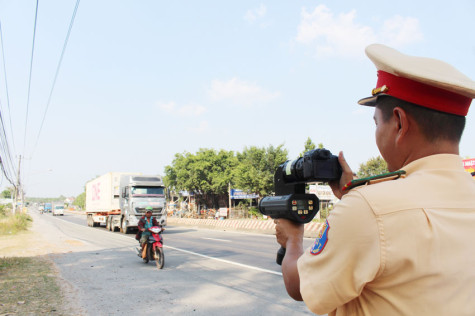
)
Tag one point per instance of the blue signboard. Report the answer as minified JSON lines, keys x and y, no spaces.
{"x":239,"y":194}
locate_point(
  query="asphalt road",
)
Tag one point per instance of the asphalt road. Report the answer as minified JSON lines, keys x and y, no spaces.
{"x":206,"y":272}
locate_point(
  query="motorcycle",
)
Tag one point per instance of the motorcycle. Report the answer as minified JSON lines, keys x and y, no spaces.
{"x":154,"y":247}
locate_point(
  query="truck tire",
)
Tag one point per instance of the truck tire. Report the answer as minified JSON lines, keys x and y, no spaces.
{"x":108,"y":224}
{"x":123,"y":227}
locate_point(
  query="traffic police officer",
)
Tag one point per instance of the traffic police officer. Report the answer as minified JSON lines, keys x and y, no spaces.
{"x":401,"y":246}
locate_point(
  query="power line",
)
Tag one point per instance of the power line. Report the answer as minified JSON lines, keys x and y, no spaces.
{"x":6,"y":88}
{"x":31,"y":71}
{"x":5,"y":155}
{"x":57,"y":72}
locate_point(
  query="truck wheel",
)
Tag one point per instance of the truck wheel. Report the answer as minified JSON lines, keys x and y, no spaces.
{"x":108,"y":224}
{"x":123,"y":228}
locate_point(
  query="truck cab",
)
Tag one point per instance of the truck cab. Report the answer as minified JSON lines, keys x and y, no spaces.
{"x":48,"y":207}
{"x":58,"y":210}
{"x":137,"y":192}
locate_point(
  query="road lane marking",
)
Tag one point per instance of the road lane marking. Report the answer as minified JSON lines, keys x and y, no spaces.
{"x":225,"y":240}
{"x":225,"y":261}
{"x":196,"y":254}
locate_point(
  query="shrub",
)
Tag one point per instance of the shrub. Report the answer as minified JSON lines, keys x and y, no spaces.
{"x":254,"y":211}
{"x":4,"y":211}
{"x":324,"y":213}
{"x":12,"y":224}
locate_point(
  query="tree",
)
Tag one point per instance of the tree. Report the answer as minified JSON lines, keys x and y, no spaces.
{"x":373,"y":167}
{"x":80,"y":200}
{"x":206,"y":173}
{"x":256,"y":167}
{"x":7,"y":193}
{"x":310,"y":145}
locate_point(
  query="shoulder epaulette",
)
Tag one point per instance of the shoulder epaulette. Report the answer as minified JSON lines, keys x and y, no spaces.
{"x":375,"y":179}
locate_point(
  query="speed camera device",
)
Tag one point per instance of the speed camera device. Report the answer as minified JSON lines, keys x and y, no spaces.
{"x":290,"y":179}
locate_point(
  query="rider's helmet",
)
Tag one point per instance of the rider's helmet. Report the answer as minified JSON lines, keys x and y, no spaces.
{"x":148,"y":209}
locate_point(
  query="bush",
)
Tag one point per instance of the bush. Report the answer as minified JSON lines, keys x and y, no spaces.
{"x":324,"y":212}
{"x":4,"y":211}
{"x":254,"y":211}
{"x":12,"y":224}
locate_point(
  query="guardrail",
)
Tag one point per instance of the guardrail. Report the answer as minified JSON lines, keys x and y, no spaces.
{"x":250,"y":225}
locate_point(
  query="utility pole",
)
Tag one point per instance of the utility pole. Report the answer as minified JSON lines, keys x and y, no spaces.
{"x":229,"y":191}
{"x":18,"y":189}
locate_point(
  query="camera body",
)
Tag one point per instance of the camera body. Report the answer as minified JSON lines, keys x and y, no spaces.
{"x":290,"y":200}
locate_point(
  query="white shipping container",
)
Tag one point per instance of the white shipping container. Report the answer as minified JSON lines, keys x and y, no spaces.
{"x":102,"y":193}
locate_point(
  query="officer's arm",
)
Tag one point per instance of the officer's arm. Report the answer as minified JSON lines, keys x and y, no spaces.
{"x":289,"y":269}
{"x":290,"y":236}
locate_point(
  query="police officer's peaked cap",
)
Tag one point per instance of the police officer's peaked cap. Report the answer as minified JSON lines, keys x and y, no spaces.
{"x":423,"y":81}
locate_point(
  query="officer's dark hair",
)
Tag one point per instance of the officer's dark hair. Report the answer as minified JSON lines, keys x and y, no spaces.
{"x":434,"y":125}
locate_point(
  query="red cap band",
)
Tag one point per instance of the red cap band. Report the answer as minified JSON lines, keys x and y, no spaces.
{"x":423,"y":94}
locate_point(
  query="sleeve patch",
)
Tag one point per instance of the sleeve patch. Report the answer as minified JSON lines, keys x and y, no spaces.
{"x":321,"y":240}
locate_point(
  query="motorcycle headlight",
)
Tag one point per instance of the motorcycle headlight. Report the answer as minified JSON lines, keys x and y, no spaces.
{"x":155,"y":229}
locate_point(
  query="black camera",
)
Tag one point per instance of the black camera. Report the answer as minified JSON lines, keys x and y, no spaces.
{"x":290,"y":200}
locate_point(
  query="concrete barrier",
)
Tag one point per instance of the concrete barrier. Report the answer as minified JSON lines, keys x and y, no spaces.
{"x":248,"y":225}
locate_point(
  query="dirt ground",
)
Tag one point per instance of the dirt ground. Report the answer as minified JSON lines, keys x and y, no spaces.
{"x":38,"y":244}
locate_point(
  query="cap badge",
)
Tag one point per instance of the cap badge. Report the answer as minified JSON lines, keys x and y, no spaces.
{"x":382,"y":89}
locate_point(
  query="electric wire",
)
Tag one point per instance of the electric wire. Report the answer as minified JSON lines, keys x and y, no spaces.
{"x":5,"y":153}
{"x":57,"y":72}
{"x":6,"y":88}
{"x":5,"y":174}
{"x":4,"y":147}
{"x":6,"y":161}
{"x":31,"y":71}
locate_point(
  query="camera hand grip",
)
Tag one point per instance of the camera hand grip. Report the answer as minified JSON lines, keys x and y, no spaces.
{"x":280,"y":256}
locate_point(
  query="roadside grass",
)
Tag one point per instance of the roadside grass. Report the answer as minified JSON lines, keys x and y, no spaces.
{"x":29,"y":287}
{"x":12,"y":224}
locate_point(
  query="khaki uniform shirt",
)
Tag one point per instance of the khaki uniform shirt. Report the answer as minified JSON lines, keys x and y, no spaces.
{"x":400,"y":247}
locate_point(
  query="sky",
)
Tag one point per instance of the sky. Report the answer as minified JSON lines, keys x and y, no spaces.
{"x":143,"y":80}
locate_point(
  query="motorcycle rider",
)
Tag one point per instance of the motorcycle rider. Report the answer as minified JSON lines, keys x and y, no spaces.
{"x":144,"y":224}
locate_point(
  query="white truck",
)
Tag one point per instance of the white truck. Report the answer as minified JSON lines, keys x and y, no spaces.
{"x":118,"y":200}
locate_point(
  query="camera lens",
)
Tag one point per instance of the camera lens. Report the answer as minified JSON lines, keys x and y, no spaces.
{"x":293,"y":170}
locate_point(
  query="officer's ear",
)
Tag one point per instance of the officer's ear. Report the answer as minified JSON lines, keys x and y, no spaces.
{"x":402,"y":124}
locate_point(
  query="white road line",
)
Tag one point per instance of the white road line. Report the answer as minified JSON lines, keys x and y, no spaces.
{"x":225,"y":240}
{"x":200,"y":255}
{"x":225,"y":261}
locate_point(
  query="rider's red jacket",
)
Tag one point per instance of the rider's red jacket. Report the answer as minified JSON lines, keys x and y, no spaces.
{"x":141,"y":225}
{"x":143,"y":220}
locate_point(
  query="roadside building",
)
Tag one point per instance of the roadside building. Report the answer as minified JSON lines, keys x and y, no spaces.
{"x":325,"y":196}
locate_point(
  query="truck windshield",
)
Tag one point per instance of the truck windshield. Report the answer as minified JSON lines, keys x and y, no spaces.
{"x":59,"y":207}
{"x":147,"y":191}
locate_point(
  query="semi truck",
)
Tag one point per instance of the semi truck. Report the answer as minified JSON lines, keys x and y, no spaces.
{"x":117,"y":200}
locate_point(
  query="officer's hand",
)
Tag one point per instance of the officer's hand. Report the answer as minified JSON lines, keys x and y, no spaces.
{"x":288,"y":232}
{"x":346,"y":176}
